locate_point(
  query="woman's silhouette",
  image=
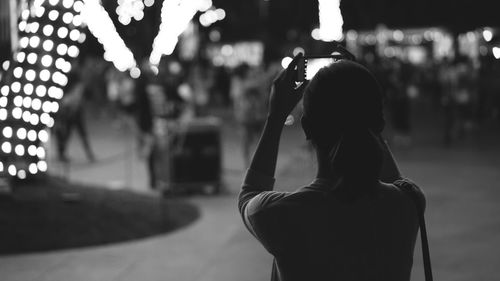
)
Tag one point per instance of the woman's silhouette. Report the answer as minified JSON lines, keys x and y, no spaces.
{"x":352,"y":222}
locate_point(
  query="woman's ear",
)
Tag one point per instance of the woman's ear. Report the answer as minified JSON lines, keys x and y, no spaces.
{"x":306,"y":127}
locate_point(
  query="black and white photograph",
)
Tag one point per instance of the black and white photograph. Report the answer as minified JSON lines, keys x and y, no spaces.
{"x":249,"y":140}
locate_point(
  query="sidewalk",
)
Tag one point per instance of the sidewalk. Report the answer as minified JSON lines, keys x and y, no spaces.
{"x":461,"y":185}
{"x":216,"y":247}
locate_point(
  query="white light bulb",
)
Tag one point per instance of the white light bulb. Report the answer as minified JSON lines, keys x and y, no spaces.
{"x":3,"y":114}
{"x":33,"y":27}
{"x":77,"y":20}
{"x":82,"y":38}
{"x":21,"y":174}
{"x":487,"y":35}
{"x":6,"y":147}
{"x":47,"y":106}
{"x":135,"y":72}
{"x":34,"y":119}
{"x":45,"y":75}
{"x":40,"y":152}
{"x":73,"y":51}
{"x":66,"y":68}
{"x":124,"y":20}
{"x":27,"y":116}
{"x":60,"y":63}
{"x":18,"y":101}
{"x":46,"y":60}
{"x":32,"y":150}
{"x":78,"y":6}
{"x":59,"y":78}
{"x":74,"y":35}
{"x":68,"y":3}
{"x":12,"y":170}
{"x":51,"y":123}
{"x":42,"y":166}
{"x":18,"y":72}
{"x":7,"y":132}
{"x":62,"y":49}
{"x":48,"y":45}
{"x":55,"y":106}
{"x":32,"y":57}
{"x":36,"y":104}
{"x":30,"y":75}
{"x":21,"y":133}
{"x":3,"y":101}
{"x":32,"y":135}
{"x":48,"y":30}
{"x":15,"y":87}
{"x":6,"y":65}
{"x":139,"y":16}
{"x":17,"y":113}
{"x":41,"y":90}
{"x":22,"y":25}
{"x":43,"y":136}
{"x":53,"y":15}
{"x":496,"y":52}
{"x":45,"y":118}
{"x":33,"y":169}
{"x":28,"y":89}
{"x":4,"y":90}
{"x":62,"y":32}
{"x":20,"y":56}
{"x":23,"y":42}
{"x":39,"y":11}
{"x":19,"y":150}
{"x":27,"y":102}
{"x":67,"y":17}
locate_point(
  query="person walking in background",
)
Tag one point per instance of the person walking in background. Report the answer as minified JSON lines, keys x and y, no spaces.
{"x":142,"y":111}
{"x":71,"y":115}
{"x":354,"y":221}
{"x":399,"y":103}
{"x":249,"y":107}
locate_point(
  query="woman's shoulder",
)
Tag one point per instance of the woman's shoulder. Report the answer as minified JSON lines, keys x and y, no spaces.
{"x":410,"y":189}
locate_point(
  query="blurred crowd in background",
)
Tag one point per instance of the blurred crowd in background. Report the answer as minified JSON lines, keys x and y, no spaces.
{"x":463,"y":91}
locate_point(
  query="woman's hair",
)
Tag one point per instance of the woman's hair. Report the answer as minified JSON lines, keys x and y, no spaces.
{"x":343,"y":115}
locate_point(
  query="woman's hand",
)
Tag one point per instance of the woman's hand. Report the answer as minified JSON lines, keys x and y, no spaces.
{"x":285,"y":93}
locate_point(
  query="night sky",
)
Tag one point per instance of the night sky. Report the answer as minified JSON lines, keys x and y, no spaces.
{"x":272,"y":21}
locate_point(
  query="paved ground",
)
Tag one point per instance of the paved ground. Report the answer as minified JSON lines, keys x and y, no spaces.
{"x":461,"y":184}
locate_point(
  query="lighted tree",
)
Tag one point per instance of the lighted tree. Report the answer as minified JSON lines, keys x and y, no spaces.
{"x":50,"y":34}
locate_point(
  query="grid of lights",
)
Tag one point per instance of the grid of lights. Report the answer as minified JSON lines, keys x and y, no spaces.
{"x":175,"y":17}
{"x":102,"y":27}
{"x":330,"y":20}
{"x":50,"y":34}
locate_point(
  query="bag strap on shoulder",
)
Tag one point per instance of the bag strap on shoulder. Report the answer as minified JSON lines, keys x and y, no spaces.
{"x":412,"y":192}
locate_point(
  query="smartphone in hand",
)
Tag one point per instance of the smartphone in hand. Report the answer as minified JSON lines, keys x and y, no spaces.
{"x":308,"y":66}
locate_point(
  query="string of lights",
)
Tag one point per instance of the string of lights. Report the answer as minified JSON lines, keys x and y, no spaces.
{"x":128,"y":10}
{"x":211,"y":16}
{"x":175,"y":17}
{"x":50,"y":33}
{"x":101,"y":26}
{"x":330,"y":20}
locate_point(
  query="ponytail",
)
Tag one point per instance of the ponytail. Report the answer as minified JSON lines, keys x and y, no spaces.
{"x":358,"y":157}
